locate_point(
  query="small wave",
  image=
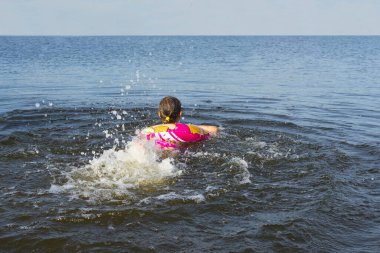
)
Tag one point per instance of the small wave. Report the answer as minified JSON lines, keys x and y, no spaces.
{"x":20,"y":153}
{"x":232,"y":170}
{"x":8,"y":140}
{"x":262,"y":123}
{"x":173,"y":198}
{"x":243,"y":175}
{"x":275,"y":148}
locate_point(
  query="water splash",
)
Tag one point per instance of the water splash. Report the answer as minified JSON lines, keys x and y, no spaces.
{"x":113,"y":174}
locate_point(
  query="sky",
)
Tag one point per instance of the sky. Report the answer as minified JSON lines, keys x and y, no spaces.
{"x":189,"y":17}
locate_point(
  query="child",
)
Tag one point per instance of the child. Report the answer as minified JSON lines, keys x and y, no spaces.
{"x":171,"y":133}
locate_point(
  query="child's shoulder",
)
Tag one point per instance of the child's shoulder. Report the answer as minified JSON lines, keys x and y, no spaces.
{"x":158,"y":128}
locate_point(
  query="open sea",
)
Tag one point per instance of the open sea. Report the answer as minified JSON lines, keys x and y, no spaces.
{"x":296,"y":167}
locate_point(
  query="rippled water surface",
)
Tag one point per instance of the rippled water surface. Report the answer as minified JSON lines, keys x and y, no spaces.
{"x":294,"y":169}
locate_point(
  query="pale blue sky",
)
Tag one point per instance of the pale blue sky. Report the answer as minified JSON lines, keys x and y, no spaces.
{"x":189,"y":17}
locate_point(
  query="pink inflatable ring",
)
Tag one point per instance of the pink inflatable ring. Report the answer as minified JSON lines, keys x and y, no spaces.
{"x":173,"y":138}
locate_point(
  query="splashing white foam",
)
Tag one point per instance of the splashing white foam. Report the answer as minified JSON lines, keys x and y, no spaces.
{"x":115,"y":172}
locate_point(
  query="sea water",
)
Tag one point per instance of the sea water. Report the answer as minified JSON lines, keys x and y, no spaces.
{"x":294,"y":168}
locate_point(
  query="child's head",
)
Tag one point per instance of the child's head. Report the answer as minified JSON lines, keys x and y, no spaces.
{"x":170,"y":110}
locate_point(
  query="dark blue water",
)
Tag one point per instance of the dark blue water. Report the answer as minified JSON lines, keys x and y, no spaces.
{"x":295,"y":168}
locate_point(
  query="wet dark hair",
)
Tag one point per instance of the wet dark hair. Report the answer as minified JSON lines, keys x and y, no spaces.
{"x":170,"y":109}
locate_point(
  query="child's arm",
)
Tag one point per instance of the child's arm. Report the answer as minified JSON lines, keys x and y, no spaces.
{"x":213,"y":130}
